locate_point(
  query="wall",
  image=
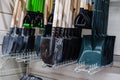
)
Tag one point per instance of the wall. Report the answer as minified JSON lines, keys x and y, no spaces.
{"x":114,"y":23}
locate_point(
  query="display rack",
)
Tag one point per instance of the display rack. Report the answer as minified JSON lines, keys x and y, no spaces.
{"x":22,"y":57}
{"x":92,"y":69}
{"x":58,"y":65}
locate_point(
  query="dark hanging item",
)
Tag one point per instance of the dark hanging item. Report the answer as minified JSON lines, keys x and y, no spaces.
{"x":82,"y":20}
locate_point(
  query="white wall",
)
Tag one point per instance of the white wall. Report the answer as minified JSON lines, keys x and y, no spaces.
{"x":114,"y":23}
{"x":6,"y":17}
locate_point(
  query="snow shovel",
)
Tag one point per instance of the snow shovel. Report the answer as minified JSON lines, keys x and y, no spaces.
{"x":102,"y":53}
{"x":49,"y":57}
{"x":97,"y":45}
{"x":91,"y":56}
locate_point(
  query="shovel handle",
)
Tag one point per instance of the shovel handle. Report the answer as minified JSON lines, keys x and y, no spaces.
{"x":15,"y":13}
{"x":90,"y":5}
{"x":86,"y":5}
{"x":64,"y":20}
{"x":46,"y":12}
{"x":60,"y":13}
{"x":23,"y":12}
{"x":17,"y":23}
{"x":82,"y":4}
{"x":55,"y":18}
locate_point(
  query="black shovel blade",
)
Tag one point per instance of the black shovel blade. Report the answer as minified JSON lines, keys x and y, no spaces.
{"x":46,"y":55}
{"x":31,"y":40}
{"x":19,"y":41}
{"x":109,"y":50}
{"x":48,"y":30}
{"x":65,"y":49}
{"x":76,"y":46}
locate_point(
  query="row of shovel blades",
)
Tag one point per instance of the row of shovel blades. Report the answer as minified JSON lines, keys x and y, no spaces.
{"x":19,"y":40}
{"x":66,"y":44}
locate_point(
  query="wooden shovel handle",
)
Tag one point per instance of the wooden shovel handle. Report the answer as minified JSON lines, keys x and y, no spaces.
{"x":78,"y":6}
{"x":61,"y":6}
{"x":71,"y":12}
{"x":46,"y":12}
{"x":86,"y":5}
{"x":90,"y":5}
{"x":55,"y":18}
{"x":23,"y":12}
{"x":82,"y":4}
{"x":17,"y":20}
{"x":14,"y":13}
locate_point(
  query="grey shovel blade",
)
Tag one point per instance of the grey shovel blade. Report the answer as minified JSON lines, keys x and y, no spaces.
{"x":5,"y":45}
{"x":57,"y":57}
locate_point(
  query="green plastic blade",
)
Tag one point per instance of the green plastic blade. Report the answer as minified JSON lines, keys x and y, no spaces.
{"x":29,"y":6}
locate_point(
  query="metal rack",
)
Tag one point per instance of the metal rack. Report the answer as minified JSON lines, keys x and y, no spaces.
{"x":22,"y":57}
{"x":58,"y":65}
{"x":90,"y":69}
